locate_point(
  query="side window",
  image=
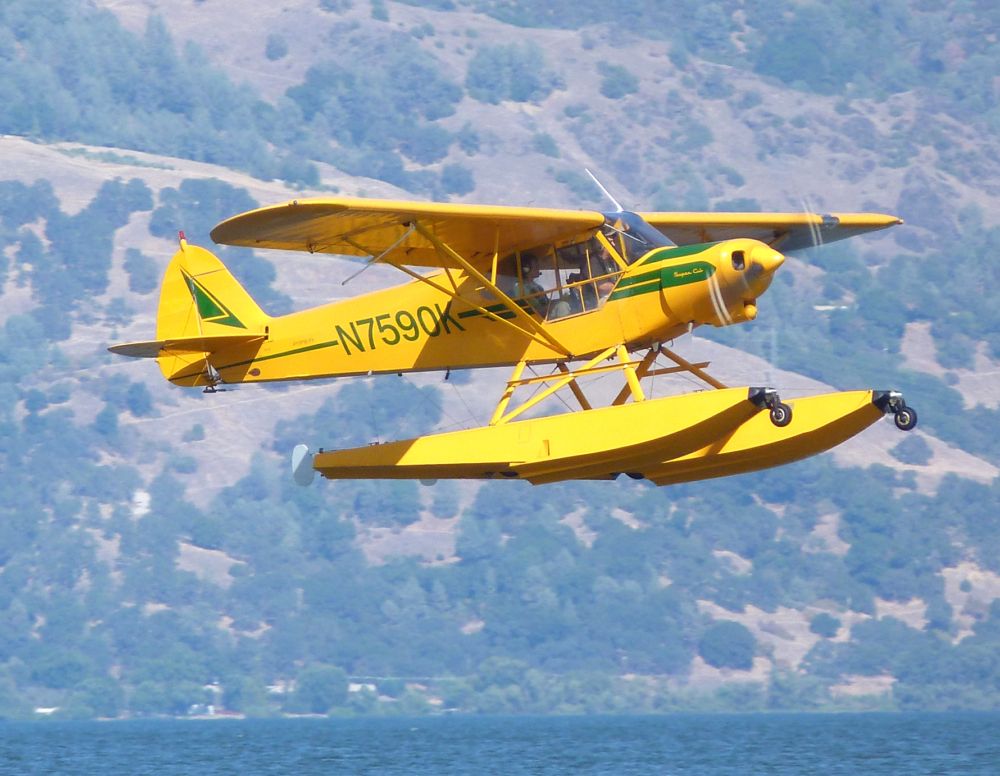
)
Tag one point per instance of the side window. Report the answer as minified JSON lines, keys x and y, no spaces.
{"x":530,"y":278}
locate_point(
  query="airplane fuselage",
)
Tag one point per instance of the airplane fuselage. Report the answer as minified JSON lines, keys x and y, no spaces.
{"x":455,"y":322}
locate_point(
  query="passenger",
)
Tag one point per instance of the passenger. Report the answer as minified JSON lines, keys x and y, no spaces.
{"x":561,"y":307}
{"x":582,"y":297}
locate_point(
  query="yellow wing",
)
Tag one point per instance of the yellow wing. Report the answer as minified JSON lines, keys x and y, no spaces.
{"x":367,"y":227}
{"x":787,"y":231}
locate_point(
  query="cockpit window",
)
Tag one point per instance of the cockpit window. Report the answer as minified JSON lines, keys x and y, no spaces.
{"x":557,"y":282}
{"x":739,"y":260}
{"x":560,"y":282}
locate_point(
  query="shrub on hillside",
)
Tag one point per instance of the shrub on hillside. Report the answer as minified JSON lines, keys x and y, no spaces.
{"x":728,"y":644}
{"x":515,"y":72}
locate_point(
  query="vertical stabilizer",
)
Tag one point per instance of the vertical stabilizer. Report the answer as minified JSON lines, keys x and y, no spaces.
{"x":200,"y":298}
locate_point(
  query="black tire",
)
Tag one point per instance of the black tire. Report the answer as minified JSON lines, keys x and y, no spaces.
{"x":906,"y":419}
{"x":781,"y":414}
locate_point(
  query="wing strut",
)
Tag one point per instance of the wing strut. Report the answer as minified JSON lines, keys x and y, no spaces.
{"x":574,"y":386}
{"x":640,"y":372}
{"x":564,"y":376}
{"x":645,"y":369}
{"x":454,"y":293}
{"x":531,"y":323}
{"x":376,"y":259}
{"x":500,"y":416}
{"x":631,"y":380}
{"x":687,"y":366}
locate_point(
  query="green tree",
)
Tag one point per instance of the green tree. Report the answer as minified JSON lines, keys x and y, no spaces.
{"x":102,"y":695}
{"x":106,"y":422}
{"x":138,"y":400}
{"x":60,"y":668}
{"x":246,"y":694}
{"x":380,"y":106}
{"x":544,"y":143}
{"x":166,"y":698}
{"x":319,"y":688}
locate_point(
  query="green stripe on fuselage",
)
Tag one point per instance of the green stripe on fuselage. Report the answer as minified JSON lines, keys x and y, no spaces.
{"x":635,"y":290}
{"x":659,"y":278}
{"x":283,"y":354}
{"x":674,"y":252}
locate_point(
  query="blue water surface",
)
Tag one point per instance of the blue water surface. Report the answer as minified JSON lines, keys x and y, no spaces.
{"x":685,"y":744}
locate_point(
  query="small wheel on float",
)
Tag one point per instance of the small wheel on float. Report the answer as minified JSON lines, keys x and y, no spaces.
{"x":781,"y":414}
{"x":906,"y":418}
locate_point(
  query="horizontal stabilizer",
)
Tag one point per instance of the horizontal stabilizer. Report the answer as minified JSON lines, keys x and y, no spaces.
{"x":156,"y":348}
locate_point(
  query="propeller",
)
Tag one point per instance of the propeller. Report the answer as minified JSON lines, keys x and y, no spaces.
{"x":615,"y":202}
{"x":776,"y":303}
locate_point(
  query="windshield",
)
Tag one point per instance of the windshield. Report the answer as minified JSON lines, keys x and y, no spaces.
{"x":638,"y":237}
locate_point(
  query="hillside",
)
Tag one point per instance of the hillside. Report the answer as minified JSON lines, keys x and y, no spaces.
{"x":156,"y":557}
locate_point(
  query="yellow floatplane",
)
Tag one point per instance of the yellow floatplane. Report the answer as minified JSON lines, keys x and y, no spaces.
{"x":559,"y":294}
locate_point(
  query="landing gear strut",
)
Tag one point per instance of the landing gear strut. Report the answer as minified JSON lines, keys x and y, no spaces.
{"x":905,"y":417}
{"x":781,"y":413}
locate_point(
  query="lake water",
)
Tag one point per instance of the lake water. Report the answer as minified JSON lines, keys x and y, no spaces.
{"x":868,"y":744}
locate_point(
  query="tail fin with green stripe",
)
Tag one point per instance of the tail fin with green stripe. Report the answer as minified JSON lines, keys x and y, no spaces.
{"x":203,"y":310}
{"x":200,"y":297}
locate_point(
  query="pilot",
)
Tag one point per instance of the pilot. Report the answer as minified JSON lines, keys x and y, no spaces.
{"x":606,"y":265}
{"x":604,"y":256}
{"x":530,"y":273}
{"x":507,"y":277}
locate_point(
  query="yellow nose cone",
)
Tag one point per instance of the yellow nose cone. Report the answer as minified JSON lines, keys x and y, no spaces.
{"x":749,"y":310}
{"x":768,"y":258}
